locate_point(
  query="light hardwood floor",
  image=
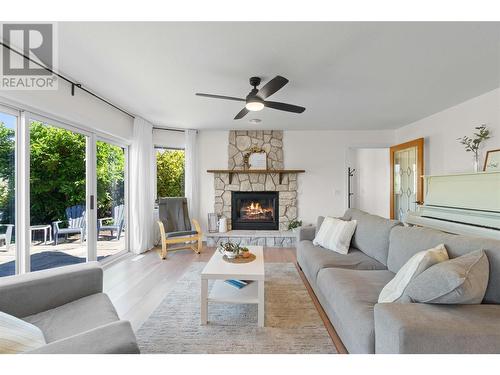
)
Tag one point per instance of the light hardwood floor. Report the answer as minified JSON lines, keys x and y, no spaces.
{"x":138,"y":283}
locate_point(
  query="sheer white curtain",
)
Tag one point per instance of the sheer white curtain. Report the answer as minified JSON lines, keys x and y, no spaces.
{"x":141,"y":187}
{"x":191,"y":173}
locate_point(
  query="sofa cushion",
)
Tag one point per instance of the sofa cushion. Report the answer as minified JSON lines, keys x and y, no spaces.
{"x":314,"y":258}
{"x":372,"y":233}
{"x":17,"y":336}
{"x":415,"y":328}
{"x":348,"y":297}
{"x":335,"y":234}
{"x":406,"y":241}
{"x":411,"y":269}
{"x":459,"y":281}
{"x":75,"y":317}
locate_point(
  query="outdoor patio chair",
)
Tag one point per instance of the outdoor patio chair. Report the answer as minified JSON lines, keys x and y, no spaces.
{"x":75,"y":215}
{"x":175,"y":226}
{"x":7,"y":236}
{"x":118,"y":220}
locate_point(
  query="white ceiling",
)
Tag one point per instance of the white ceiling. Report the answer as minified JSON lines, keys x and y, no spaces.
{"x":348,"y":75}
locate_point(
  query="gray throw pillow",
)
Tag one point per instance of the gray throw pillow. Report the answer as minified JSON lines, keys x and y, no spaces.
{"x":461,"y":280}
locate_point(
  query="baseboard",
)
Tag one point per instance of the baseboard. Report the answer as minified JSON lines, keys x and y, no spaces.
{"x":337,"y":342}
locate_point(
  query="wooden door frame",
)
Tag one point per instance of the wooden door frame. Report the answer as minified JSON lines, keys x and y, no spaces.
{"x":419,"y":144}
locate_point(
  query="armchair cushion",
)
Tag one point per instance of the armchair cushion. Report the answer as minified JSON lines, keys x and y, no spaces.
{"x":182,"y":233}
{"x":75,"y":317}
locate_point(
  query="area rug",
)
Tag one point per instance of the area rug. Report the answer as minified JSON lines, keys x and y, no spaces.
{"x":292,"y":323}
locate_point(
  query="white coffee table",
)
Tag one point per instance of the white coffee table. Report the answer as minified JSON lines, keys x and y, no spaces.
{"x":218,"y":269}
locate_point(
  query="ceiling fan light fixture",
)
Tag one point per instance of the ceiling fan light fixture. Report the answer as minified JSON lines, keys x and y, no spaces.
{"x":254,"y":106}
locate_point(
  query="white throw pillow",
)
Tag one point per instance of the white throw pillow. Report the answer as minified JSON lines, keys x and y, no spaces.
{"x":335,"y":234}
{"x":411,"y":269}
{"x":17,"y":336}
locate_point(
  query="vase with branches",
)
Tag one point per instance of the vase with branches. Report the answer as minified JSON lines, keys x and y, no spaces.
{"x":472,"y":144}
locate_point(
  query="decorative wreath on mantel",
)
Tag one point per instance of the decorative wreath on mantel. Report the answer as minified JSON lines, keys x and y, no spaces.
{"x":250,"y":151}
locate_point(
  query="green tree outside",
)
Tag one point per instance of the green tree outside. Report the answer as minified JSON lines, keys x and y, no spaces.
{"x":57,"y":173}
{"x":170,"y":173}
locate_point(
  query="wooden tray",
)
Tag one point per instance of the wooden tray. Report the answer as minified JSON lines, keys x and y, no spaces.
{"x":240,"y":259}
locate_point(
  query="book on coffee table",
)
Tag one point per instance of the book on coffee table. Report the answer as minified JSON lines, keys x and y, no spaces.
{"x":237,"y":283}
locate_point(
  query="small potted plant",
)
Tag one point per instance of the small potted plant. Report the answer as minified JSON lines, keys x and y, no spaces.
{"x":245,"y":252}
{"x":294,"y":224}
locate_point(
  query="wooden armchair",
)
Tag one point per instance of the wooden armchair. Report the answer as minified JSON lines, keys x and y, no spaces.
{"x":175,"y":227}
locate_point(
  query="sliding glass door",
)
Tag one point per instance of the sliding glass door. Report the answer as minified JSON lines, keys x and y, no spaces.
{"x":8,"y":127}
{"x":58,"y":196}
{"x":111,"y":203}
{"x":63,"y":194}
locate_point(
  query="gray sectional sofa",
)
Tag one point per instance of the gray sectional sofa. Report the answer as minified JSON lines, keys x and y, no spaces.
{"x":68,"y":305}
{"x":348,"y":287}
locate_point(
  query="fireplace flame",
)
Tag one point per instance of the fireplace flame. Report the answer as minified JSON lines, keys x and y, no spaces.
{"x":255,"y":210}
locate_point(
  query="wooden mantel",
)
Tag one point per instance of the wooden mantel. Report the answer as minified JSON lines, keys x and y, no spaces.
{"x":280,"y":172}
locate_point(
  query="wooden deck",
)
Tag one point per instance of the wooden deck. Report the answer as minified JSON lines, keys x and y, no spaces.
{"x":105,"y":247}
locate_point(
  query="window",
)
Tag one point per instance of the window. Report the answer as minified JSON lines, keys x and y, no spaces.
{"x":169,"y":172}
{"x":8,"y":125}
{"x":58,"y":209}
{"x":111,"y":202}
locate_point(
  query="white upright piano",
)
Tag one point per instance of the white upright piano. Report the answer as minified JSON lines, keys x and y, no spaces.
{"x":466,"y":203}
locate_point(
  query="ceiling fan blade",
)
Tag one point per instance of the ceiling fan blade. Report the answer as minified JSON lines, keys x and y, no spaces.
{"x":241,"y":114}
{"x":284,"y":107}
{"x":220,"y":97}
{"x":272,"y":86}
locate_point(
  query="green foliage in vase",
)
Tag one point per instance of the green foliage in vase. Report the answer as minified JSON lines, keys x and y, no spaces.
{"x":473,"y":143}
{"x":231,"y":248}
{"x":170,"y":173}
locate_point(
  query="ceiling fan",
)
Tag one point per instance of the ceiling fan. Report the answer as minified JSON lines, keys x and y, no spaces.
{"x":255,"y":100}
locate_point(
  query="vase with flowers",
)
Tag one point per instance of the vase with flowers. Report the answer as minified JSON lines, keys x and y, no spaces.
{"x":472,"y":144}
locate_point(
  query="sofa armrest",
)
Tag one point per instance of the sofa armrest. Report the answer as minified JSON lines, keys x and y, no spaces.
{"x":34,"y":292}
{"x":113,"y":338}
{"x":306,"y":233}
{"x":415,"y":328}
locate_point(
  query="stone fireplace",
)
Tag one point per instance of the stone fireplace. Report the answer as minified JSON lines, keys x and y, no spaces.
{"x":255,"y":210}
{"x":282,"y":181}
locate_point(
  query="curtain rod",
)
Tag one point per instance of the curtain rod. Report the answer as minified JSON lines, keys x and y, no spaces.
{"x":173,"y":129}
{"x":169,"y":129}
{"x":72,"y":83}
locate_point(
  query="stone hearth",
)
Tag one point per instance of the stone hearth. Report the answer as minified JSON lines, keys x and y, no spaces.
{"x":269,"y":238}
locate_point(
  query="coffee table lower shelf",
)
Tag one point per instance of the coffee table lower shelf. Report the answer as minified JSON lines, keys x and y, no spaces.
{"x":224,"y":293}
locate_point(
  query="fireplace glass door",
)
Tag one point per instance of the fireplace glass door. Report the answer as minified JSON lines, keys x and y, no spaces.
{"x":254,"y":210}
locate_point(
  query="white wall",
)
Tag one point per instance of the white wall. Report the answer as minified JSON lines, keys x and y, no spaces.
{"x":169,"y":138}
{"x":371,"y":181}
{"x":212,"y":154}
{"x":443,"y":154}
{"x":323,"y":154}
{"x":82,"y":109}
